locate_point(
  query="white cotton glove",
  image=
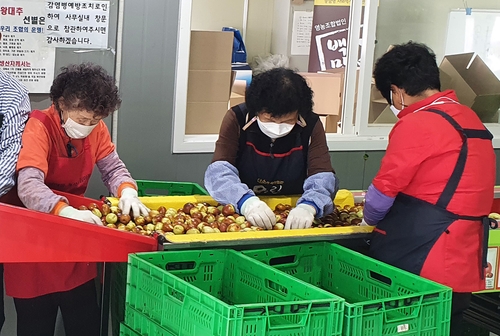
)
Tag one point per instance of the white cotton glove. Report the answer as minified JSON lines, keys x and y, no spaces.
{"x":258,"y":213}
{"x":363,"y":223}
{"x":300,"y":217}
{"x":130,"y":201}
{"x":81,"y":215}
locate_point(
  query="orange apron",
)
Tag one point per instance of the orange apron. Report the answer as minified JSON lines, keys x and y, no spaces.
{"x":67,"y":174}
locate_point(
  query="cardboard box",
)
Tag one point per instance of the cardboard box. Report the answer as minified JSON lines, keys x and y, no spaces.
{"x":327,"y":88}
{"x":236,"y":99}
{"x":205,"y":117}
{"x":209,"y":85}
{"x":330,"y":123}
{"x":475,"y":84}
{"x":209,"y":82}
{"x":208,"y":50}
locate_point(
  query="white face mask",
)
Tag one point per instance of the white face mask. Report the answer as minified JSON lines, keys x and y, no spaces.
{"x":76,"y":131}
{"x":274,"y":130}
{"x":393,"y":108}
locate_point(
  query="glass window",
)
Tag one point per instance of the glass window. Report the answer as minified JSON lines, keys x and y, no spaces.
{"x":447,"y":31}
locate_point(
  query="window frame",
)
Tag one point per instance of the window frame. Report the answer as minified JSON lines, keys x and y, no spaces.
{"x":356,"y":136}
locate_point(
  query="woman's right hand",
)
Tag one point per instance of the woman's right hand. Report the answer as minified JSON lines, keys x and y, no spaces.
{"x":81,"y":215}
{"x":258,"y":213}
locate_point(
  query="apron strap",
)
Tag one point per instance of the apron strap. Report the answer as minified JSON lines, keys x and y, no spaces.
{"x":456,"y":176}
{"x":241,"y":112}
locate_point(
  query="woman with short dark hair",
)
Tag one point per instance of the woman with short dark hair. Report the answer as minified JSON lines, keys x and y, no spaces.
{"x":434,"y":190}
{"x":273,"y":144}
{"x":61,"y":146}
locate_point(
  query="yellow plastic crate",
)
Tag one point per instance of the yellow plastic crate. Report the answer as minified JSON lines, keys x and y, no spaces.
{"x":177,"y":202}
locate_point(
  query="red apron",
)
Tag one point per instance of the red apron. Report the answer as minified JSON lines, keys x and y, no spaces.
{"x":68,"y":174}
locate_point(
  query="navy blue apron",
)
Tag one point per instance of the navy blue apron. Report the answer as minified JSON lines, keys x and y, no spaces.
{"x":273,"y":167}
{"x":406,"y":235}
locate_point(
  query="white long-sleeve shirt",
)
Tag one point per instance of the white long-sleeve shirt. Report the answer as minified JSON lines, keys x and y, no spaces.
{"x":14,"y":111}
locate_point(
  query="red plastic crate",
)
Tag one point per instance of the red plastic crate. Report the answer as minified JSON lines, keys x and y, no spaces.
{"x":32,"y":236}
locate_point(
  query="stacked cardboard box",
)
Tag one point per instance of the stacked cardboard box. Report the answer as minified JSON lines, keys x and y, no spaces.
{"x":209,"y":83}
{"x":327,"y":89}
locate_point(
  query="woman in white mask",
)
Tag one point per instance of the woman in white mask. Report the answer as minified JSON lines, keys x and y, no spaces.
{"x":61,"y":146}
{"x":431,"y":198}
{"x":273,"y":145}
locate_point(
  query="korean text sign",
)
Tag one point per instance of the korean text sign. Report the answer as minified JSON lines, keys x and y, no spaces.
{"x":24,"y":52}
{"x":77,"y":24}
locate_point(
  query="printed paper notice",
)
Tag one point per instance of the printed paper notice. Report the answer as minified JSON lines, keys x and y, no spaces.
{"x":24,"y":52}
{"x":301,"y":32}
{"x":82,"y":25}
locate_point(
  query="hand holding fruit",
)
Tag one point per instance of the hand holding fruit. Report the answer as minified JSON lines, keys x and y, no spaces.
{"x":258,"y":213}
{"x":81,"y":215}
{"x":130,"y":201}
{"x":300,"y":217}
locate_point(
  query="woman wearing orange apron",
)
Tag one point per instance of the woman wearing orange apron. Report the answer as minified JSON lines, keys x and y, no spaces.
{"x":61,"y":146}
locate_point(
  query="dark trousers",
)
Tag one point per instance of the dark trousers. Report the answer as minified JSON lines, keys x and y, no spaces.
{"x":2,"y":314}
{"x":460,"y":302}
{"x":79,"y":309}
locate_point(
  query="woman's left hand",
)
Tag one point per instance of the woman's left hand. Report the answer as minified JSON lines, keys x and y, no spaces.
{"x":129,"y":201}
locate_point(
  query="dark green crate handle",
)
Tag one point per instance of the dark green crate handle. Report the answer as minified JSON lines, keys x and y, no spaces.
{"x":280,"y":310}
{"x":284,"y":260}
{"x":380,"y":278}
{"x":416,"y":303}
{"x":180,"y":266}
{"x":175,"y":294}
{"x":275,"y":287}
{"x":391,"y":306}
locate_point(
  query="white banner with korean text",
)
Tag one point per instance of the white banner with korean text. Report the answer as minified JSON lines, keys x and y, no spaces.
{"x":24,"y":51}
{"x":77,"y":24}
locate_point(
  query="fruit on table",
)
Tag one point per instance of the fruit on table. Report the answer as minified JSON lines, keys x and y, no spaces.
{"x":346,"y":216}
{"x":112,"y":218}
{"x":97,"y":212}
{"x":202,"y":218}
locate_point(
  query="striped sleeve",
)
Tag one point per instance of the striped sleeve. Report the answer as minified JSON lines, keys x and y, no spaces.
{"x":14,"y":111}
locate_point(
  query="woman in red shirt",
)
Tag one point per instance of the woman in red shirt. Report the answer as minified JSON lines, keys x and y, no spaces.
{"x":434,"y":190}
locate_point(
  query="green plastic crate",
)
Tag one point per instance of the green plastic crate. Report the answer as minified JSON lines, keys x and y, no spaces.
{"x":118,"y":290}
{"x":119,"y":276}
{"x":143,"y":325}
{"x":224,"y":293}
{"x":380,"y":299}
{"x":126,"y":331}
{"x":160,"y":188}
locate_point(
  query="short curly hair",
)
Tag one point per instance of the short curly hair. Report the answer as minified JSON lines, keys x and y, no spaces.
{"x":86,"y":86}
{"x":411,"y":66}
{"x":279,"y":92}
